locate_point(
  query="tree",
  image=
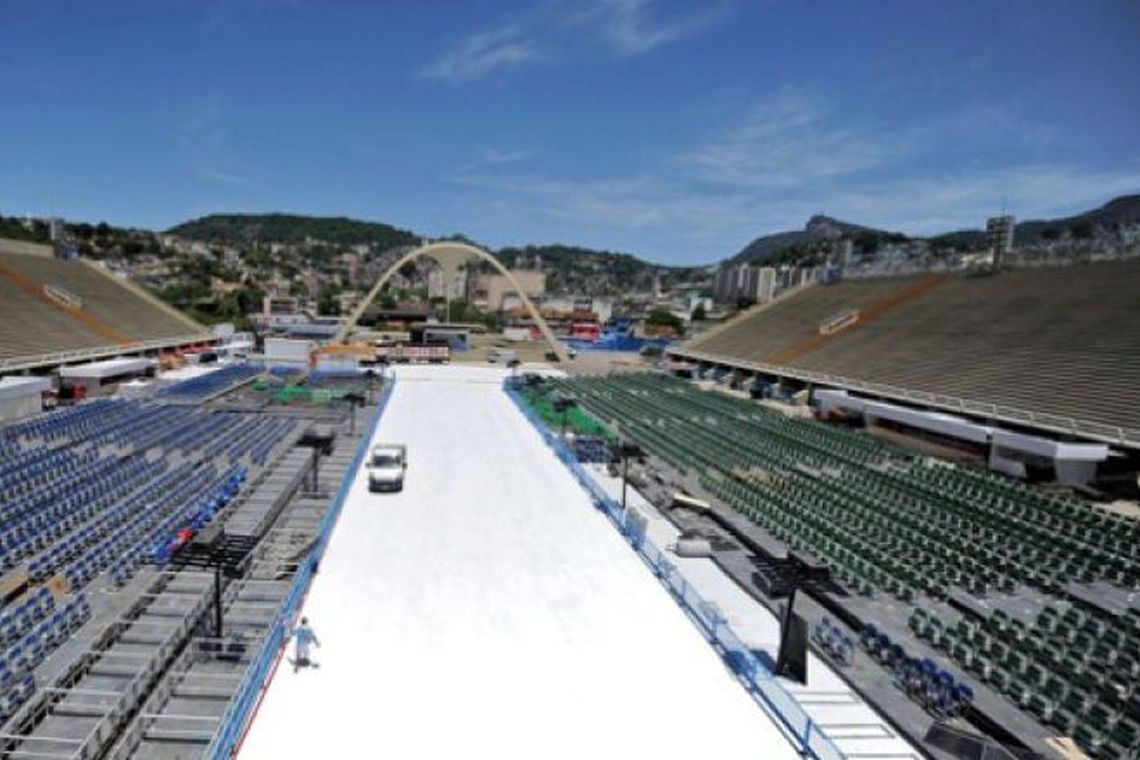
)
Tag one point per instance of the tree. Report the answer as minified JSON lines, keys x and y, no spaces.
{"x":699,"y":313}
{"x":664,"y":318}
{"x":327,"y":302}
{"x":1082,"y":230}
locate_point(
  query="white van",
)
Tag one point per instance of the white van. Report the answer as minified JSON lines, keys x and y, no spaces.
{"x":501,"y":356}
{"x":386,"y":467}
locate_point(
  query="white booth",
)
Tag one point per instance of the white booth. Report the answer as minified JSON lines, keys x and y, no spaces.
{"x":94,"y":376}
{"x":21,"y":396}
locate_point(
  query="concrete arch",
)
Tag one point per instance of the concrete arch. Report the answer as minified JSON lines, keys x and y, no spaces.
{"x":455,"y":250}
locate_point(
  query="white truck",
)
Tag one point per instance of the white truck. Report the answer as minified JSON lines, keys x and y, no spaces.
{"x":387,"y":463}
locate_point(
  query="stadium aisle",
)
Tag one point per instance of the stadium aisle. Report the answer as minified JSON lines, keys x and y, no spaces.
{"x":489,"y":609}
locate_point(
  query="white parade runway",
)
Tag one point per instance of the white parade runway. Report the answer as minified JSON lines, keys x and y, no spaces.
{"x":490,"y":611}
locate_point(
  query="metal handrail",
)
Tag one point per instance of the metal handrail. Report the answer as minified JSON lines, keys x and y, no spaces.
{"x":231,"y":728}
{"x":75,"y":354}
{"x":1057,"y":423}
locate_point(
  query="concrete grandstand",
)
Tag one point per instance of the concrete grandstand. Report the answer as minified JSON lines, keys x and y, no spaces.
{"x":55,"y":311}
{"x":1056,"y":349}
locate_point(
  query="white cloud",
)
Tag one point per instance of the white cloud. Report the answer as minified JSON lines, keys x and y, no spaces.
{"x":500,"y":157}
{"x":482,"y":53}
{"x":667,"y":217}
{"x":220,"y":176}
{"x":559,"y":30}
{"x":791,"y":156}
{"x":631,"y":28}
{"x":925,"y":205}
{"x":787,"y":140}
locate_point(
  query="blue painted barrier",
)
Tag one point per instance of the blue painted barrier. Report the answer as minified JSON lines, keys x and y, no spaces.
{"x":755,"y":676}
{"x":234,"y":722}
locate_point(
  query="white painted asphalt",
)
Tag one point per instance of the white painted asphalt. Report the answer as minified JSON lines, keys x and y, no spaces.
{"x":489,"y":611}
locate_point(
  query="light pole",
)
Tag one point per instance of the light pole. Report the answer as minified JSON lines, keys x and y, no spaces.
{"x":626,"y":450}
{"x":354,"y":400}
{"x":563,"y":405}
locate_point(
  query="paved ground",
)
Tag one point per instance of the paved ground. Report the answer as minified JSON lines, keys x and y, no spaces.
{"x":489,"y":610}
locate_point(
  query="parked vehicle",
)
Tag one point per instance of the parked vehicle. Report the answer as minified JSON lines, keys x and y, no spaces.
{"x":387,"y":464}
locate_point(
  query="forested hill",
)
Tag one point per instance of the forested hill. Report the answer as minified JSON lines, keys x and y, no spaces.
{"x":568,"y":268}
{"x":239,"y":230}
{"x":584,"y":270}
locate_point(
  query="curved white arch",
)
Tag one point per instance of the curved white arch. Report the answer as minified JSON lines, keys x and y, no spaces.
{"x":432,"y":250}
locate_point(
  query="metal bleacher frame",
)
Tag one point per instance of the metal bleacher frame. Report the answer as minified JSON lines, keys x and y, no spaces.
{"x":235,"y":721}
{"x":1129,"y":437}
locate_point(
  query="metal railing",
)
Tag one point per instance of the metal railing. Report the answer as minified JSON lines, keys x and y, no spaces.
{"x":234,"y":722}
{"x":1056,"y":423}
{"x":753,"y":674}
{"x":32,"y":361}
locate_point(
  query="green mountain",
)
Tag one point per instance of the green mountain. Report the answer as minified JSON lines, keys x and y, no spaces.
{"x":240,"y":230}
{"x":814,"y":238}
{"x":1119,"y":211}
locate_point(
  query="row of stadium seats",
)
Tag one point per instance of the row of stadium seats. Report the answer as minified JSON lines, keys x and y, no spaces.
{"x":80,"y":514}
{"x":30,"y":639}
{"x":32,"y":470}
{"x":1075,"y":668}
{"x":193,"y":516}
{"x":592,"y":449}
{"x":74,"y":422}
{"x":245,"y":434}
{"x":147,"y":426}
{"x":69,"y":503}
{"x":885,"y":520}
{"x":213,"y":382}
{"x":934,"y":688}
{"x":881,"y":516}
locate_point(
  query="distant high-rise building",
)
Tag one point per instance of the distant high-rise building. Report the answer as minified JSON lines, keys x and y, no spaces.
{"x":844,"y":249}
{"x":744,"y":282}
{"x":766,"y":285}
{"x":444,"y":284}
{"x":999,"y":233}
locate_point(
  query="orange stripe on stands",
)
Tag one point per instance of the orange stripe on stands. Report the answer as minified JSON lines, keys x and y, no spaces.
{"x":875,"y":310}
{"x":89,"y":320}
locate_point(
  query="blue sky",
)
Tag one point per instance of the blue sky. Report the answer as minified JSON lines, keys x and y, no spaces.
{"x":677,"y":131}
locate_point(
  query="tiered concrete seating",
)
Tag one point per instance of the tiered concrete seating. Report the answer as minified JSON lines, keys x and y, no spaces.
{"x":104,"y":296}
{"x":1062,"y":341}
{"x":33,"y":326}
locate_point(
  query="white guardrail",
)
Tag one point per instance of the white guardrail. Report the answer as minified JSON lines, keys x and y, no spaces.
{"x":754,"y":675}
